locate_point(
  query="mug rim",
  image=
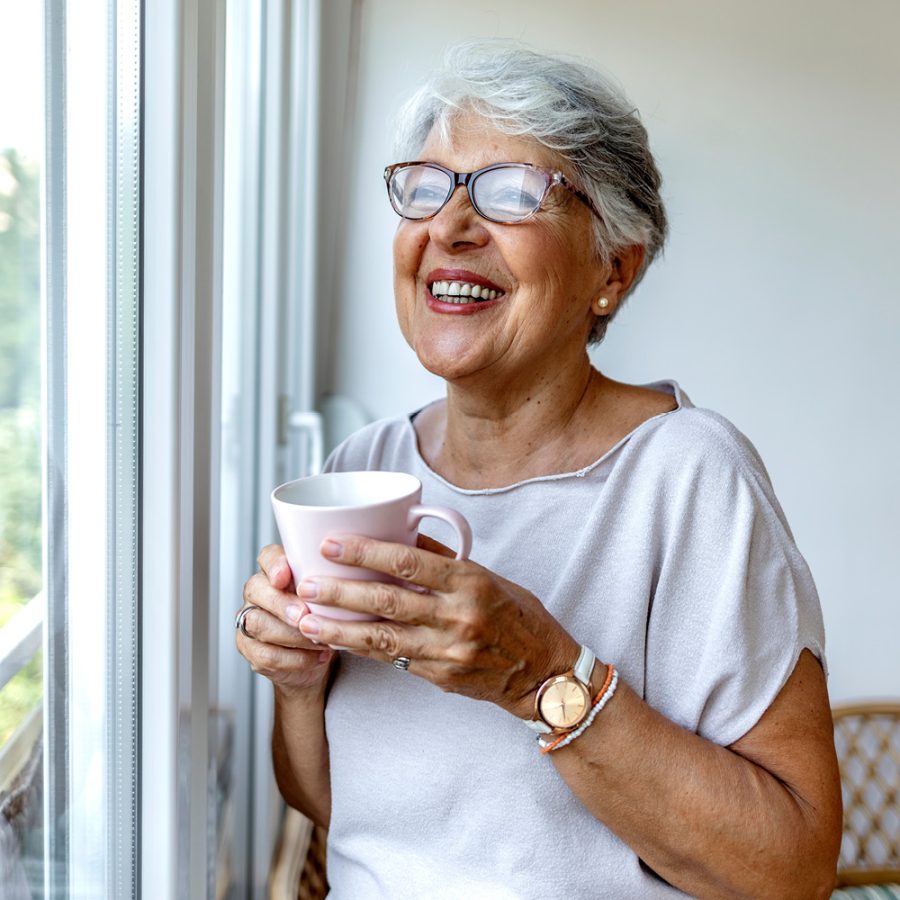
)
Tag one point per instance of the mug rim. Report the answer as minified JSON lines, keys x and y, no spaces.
{"x":415,"y":485}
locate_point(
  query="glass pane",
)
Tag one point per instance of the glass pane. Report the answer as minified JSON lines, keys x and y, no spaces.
{"x":92,"y":466}
{"x":68,"y":448}
{"x":21,"y":688}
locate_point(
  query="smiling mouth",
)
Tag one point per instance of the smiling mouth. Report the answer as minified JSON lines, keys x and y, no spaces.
{"x":462,"y":292}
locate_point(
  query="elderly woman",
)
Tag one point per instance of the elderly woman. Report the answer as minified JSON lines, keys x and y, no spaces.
{"x":634,"y":596}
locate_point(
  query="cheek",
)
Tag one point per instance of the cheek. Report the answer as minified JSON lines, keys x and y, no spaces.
{"x":544,"y":265}
{"x":404,"y":319}
{"x":407,"y":252}
{"x":574,"y":260}
{"x":560,"y":272}
{"x":409,"y":243}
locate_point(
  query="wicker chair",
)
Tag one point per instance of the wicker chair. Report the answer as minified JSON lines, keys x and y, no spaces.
{"x":298,"y":870}
{"x":867,"y":738}
{"x":314,"y":879}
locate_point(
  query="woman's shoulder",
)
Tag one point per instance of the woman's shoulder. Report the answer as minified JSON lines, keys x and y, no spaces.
{"x":694,"y":451}
{"x":374,"y":446}
{"x":703,"y":437}
{"x":690,"y":434}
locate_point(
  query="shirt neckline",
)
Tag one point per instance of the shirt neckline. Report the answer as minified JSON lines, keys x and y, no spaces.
{"x":666,"y":386}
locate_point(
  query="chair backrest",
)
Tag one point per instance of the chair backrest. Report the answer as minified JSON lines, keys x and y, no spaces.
{"x":314,"y":877}
{"x":867,"y":739}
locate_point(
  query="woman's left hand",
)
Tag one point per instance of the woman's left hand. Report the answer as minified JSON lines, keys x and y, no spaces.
{"x":470,"y":631}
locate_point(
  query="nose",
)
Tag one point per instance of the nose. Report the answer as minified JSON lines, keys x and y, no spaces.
{"x":457,"y":226}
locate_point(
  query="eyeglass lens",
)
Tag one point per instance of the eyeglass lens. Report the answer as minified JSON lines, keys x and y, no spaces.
{"x":506,"y":194}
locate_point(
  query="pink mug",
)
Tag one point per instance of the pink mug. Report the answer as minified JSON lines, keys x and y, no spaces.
{"x":381,"y":505}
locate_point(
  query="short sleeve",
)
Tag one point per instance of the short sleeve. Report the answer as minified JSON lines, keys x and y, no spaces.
{"x":734,"y":604}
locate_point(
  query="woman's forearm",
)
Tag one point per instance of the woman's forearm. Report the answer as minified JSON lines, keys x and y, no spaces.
{"x":705,"y":818}
{"x":300,"y":752}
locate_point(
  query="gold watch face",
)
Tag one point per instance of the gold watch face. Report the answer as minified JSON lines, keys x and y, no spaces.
{"x":563,"y":703}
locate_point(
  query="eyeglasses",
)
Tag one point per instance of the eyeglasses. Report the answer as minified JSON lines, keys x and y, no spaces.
{"x":507,"y":193}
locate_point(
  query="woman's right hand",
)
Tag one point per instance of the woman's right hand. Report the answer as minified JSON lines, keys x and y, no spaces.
{"x":277,"y":649}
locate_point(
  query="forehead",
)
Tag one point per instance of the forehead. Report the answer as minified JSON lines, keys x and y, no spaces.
{"x":471,"y":142}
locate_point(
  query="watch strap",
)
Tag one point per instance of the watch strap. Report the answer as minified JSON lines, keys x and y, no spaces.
{"x":538,"y":725}
{"x":585,"y":665}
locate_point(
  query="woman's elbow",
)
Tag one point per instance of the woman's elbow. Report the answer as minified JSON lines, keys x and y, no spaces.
{"x":816,"y":864}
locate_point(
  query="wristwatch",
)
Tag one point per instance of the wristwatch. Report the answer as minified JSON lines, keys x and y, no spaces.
{"x":563,"y":701}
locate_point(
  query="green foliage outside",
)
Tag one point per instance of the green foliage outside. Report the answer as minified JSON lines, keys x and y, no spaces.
{"x":20,"y":696}
{"x":20,"y":397}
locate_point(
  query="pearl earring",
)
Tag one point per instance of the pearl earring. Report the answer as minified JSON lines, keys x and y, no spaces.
{"x":603,"y":303}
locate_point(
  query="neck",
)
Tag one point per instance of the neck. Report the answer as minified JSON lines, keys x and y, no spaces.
{"x":505,"y":431}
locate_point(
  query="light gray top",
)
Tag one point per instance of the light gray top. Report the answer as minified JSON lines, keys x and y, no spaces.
{"x":670,"y":557}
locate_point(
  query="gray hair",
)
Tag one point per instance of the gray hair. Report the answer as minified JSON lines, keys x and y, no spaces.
{"x":569,"y":107}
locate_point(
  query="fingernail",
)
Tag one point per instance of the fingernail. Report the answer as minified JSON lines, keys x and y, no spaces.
{"x":310,"y":625}
{"x":276,"y":572}
{"x":324,"y":656}
{"x":308,"y":589}
{"x":332,"y":548}
{"x":294,"y":613}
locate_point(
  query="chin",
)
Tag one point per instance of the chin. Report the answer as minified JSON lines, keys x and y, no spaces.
{"x":447,"y":365}
{"x":441,"y":367}
{"x":452,"y":350}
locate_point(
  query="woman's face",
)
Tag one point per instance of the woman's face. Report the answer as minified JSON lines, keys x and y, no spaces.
{"x":545,"y":271}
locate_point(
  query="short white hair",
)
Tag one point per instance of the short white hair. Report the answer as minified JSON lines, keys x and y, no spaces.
{"x":569,"y":107}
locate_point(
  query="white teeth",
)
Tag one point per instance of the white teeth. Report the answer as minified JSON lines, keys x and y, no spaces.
{"x":462,"y":291}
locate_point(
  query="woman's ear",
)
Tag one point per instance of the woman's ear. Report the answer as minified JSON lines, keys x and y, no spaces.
{"x":622,"y":272}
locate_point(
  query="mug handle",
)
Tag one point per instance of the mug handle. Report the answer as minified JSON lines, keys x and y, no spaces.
{"x":452,"y":518}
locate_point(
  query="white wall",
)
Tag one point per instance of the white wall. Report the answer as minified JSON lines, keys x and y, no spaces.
{"x":777,"y":128}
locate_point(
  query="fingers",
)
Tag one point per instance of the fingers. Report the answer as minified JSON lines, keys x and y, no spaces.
{"x":262,"y":626}
{"x":274,"y":564}
{"x":383,"y":640}
{"x":451,"y":667}
{"x":413,"y":564}
{"x":273,"y":645}
{"x":280,"y":603}
{"x":388,"y":601}
{"x":279,"y":664}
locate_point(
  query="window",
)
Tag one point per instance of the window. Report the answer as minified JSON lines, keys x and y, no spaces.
{"x":225,"y":143}
{"x":21,"y":602}
{"x":151,"y":213}
{"x":69,"y":805}
{"x":20,"y":369}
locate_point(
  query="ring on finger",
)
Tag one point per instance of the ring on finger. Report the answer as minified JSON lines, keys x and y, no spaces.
{"x":401,"y":663}
{"x":239,"y":621}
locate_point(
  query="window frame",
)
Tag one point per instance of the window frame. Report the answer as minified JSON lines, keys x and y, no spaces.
{"x":91,"y":419}
{"x":183,"y":96}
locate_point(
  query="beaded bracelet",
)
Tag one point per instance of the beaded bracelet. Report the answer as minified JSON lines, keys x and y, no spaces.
{"x":605,"y":695}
